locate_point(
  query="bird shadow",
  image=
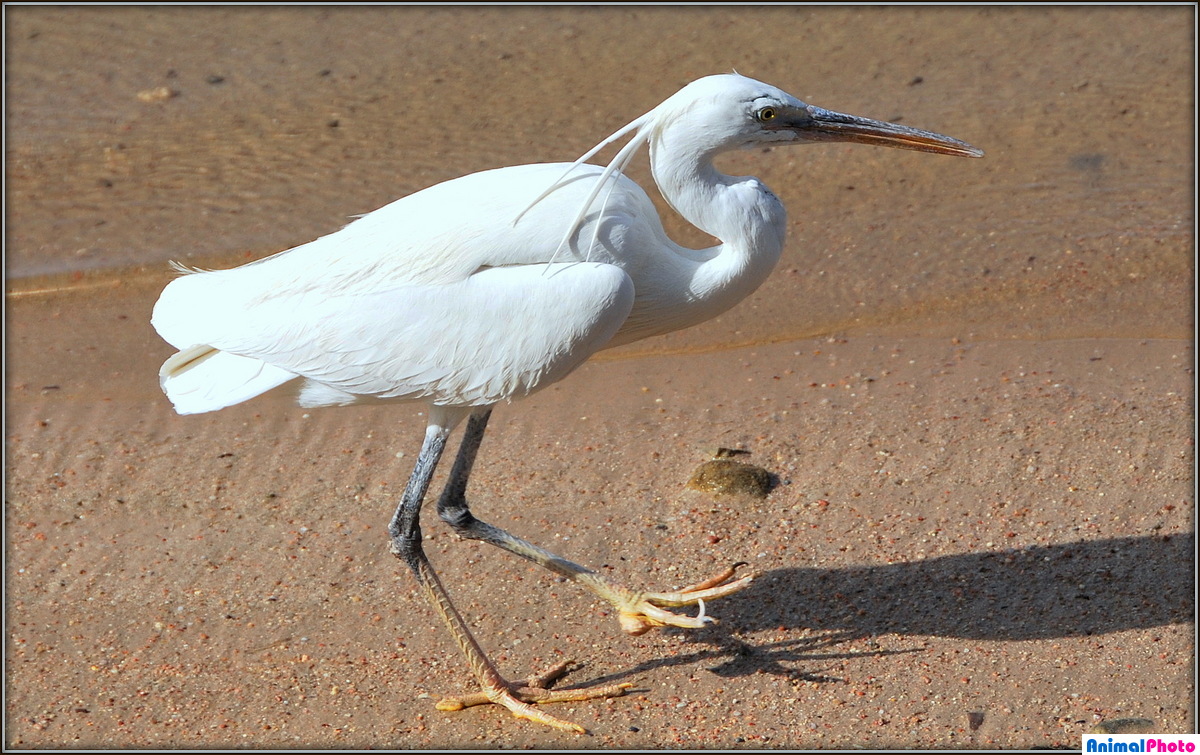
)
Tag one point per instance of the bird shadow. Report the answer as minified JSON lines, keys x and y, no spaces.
{"x":1083,"y":588}
{"x":736,"y":657}
{"x":1078,"y":589}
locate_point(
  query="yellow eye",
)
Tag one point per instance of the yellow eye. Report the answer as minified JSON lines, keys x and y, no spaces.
{"x":767,"y":114}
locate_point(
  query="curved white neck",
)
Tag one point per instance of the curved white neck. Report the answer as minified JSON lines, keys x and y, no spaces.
{"x":742,"y":213}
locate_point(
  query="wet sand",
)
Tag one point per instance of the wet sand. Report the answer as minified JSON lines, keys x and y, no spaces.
{"x":972,"y":380}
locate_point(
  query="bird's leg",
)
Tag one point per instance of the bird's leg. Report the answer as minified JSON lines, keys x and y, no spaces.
{"x":405,"y":533}
{"x":638,"y":612}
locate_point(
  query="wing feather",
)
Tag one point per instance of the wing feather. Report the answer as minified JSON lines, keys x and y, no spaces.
{"x":500,"y":333}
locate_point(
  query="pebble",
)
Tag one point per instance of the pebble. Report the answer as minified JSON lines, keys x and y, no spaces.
{"x":157,"y":94}
{"x":1124,"y":726}
{"x":728,"y":477}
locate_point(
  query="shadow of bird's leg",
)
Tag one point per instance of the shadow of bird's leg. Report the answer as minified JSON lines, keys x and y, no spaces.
{"x":638,"y":612}
{"x":405,"y":534}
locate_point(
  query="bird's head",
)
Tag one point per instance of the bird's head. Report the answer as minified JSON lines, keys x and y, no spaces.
{"x":730,"y":111}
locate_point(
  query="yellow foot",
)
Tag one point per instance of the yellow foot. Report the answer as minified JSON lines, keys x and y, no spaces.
{"x":517,"y":696}
{"x":641,"y":612}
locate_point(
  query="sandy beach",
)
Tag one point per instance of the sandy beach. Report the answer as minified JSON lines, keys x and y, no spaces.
{"x":972,"y":383}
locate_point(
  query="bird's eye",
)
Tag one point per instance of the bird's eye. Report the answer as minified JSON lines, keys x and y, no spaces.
{"x":766,"y":115}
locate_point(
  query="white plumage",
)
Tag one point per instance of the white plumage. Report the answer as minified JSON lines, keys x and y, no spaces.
{"x":438,"y":296}
{"x":492,"y":286}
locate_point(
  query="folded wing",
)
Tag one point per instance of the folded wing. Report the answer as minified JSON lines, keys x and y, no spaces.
{"x":500,"y":333}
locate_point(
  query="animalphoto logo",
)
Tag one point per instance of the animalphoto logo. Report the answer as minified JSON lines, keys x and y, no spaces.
{"x":1148,"y":743}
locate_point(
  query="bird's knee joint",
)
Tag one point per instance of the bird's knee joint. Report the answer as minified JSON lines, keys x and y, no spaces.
{"x":405,"y":544}
{"x":409,"y":551}
{"x":458,"y":517}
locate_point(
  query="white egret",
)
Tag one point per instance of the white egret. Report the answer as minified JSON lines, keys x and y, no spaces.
{"x":492,"y":286}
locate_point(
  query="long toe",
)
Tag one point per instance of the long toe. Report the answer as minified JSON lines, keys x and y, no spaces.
{"x":718,"y":579}
{"x":717,"y":586}
{"x":643,"y":612}
{"x":523,"y":697}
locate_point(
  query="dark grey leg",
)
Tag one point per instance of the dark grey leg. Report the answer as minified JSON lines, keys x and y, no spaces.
{"x":637,"y":612}
{"x":404,"y":531}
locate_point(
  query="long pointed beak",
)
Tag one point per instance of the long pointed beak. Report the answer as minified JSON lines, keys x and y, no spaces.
{"x":817,"y":124}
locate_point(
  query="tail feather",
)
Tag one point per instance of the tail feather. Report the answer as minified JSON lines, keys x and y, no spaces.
{"x":203,"y":379}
